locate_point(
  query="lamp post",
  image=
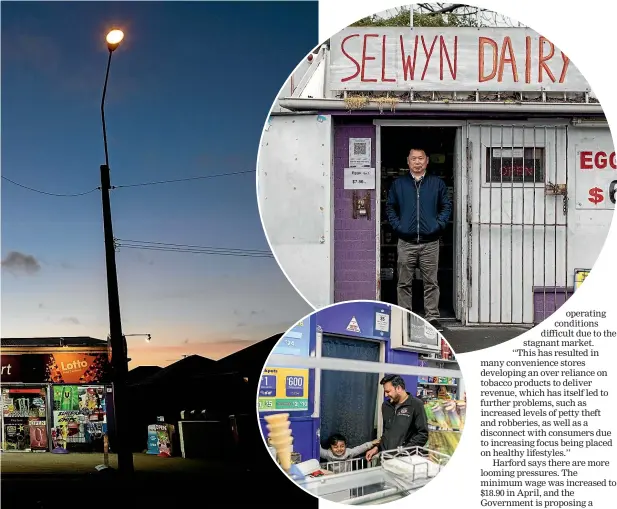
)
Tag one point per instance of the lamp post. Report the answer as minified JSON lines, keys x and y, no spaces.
{"x":148,"y":337}
{"x":117,"y":340}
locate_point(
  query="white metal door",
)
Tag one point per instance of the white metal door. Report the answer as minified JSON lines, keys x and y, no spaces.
{"x":294,"y":194}
{"x":517,"y":220}
{"x":459,"y":214}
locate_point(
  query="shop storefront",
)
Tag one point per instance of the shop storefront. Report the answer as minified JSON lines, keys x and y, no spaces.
{"x":348,"y":400}
{"x":54,"y":394}
{"x":525,"y":152}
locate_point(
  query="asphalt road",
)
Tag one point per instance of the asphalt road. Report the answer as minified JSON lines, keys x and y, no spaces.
{"x":178,"y":484}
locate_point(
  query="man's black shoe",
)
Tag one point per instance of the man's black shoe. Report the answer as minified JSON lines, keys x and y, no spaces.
{"x":437,"y":325}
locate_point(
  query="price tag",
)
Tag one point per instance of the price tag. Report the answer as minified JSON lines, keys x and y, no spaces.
{"x":294,"y":386}
{"x":359,"y":178}
{"x":267,"y":387}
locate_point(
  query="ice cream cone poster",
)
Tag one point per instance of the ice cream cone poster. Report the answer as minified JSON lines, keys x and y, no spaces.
{"x":284,"y":389}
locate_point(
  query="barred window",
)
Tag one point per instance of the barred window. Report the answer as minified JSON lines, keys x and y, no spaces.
{"x":515,"y":164}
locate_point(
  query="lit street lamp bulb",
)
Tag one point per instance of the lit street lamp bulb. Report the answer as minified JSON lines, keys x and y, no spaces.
{"x":114,"y":37}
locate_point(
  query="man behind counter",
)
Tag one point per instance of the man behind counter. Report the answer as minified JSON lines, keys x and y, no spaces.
{"x":404,"y":418}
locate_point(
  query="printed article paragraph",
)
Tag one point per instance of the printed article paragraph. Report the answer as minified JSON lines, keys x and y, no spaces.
{"x":544,"y":442}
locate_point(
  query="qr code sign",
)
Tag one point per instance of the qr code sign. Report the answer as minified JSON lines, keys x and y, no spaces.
{"x":359,"y":149}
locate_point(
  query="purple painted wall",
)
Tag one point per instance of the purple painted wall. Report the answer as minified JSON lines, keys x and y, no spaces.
{"x":336,"y":319}
{"x":354,"y":239}
{"x":406,"y":358}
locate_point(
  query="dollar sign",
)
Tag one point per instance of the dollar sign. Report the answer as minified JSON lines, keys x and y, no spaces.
{"x":596,"y":195}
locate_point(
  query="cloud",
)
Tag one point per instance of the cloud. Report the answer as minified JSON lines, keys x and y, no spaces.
{"x":21,"y":263}
{"x":141,"y":258}
{"x":71,"y":320}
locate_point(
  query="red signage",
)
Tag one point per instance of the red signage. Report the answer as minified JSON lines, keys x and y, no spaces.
{"x":597,"y":160}
{"x":10,"y":368}
{"x":69,"y":368}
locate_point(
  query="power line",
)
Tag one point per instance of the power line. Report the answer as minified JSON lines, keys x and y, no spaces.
{"x":195,"y":251}
{"x":186,"y":248}
{"x":184,"y":179}
{"x":202,"y":177}
{"x":189,"y":246}
{"x":49,"y":194}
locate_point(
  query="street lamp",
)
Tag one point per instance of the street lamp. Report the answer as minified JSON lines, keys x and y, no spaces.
{"x":147,"y":336}
{"x":117,"y":340}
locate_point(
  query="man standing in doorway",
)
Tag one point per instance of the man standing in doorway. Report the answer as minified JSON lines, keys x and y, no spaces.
{"x":419,"y":209}
{"x":404,"y":418}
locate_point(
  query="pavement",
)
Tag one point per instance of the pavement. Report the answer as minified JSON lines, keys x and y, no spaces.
{"x":26,"y":463}
{"x":47,"y":481}
{"x":469,"y":339}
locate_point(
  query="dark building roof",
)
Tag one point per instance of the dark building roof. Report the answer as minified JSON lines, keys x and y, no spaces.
{"x":51,"y":342}
{"x":140,"y":373}
{"x":180,"y":371}
{"x":246,"y":363}
{"x":250,"y":360}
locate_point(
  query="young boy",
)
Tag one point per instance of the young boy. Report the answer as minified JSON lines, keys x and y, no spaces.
{"x":338,"y":451}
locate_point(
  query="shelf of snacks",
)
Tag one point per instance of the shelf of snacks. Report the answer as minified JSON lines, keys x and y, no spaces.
{"x":446,"y":414}
{"x":446,"y":420}
{"x":434,"y":387}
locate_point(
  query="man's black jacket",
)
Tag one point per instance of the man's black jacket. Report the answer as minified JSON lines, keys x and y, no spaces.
{"x":404,"y":426}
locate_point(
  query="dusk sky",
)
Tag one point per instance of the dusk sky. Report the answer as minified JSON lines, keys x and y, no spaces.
{"x":190,"y":88}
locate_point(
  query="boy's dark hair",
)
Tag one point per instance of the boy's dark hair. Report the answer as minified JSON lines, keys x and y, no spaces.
{"x":336,"y":437}
{"x":395,"y":380}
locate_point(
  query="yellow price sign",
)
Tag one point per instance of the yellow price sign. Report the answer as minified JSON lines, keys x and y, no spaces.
{"x":283,"y":389}
{"x":579,"y":277}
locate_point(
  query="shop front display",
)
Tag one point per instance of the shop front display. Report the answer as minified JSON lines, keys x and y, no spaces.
{"x":53,"y":397}
{"x":24,"y":419}
{"x":79,"y":416}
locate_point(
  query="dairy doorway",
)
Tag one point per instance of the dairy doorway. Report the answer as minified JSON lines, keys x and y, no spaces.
{"x":442,"y":145}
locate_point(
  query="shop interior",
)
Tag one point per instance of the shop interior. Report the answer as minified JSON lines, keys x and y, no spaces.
{"x":439,"y":143}
{"x":355,"y":414}
{"x":349,"y":404}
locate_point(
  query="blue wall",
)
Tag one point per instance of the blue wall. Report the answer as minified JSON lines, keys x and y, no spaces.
{"x":303,"y":425}
{"x":336,"y":320}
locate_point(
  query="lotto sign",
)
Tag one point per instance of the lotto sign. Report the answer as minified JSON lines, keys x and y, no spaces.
{"x":284,"y":389}
{"x":596,"y":178}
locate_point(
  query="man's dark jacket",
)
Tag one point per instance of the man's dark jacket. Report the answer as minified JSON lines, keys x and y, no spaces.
{"x":418,"y":211}
{"x":405,"y":426}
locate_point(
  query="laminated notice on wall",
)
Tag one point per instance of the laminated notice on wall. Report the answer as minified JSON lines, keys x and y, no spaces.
{"x":359,"y":152}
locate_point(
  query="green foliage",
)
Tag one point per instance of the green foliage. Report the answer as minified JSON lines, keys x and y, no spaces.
{"x":401,"y":19}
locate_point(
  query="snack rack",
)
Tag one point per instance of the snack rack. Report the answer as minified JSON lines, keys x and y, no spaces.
{"x":394,"y":475}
